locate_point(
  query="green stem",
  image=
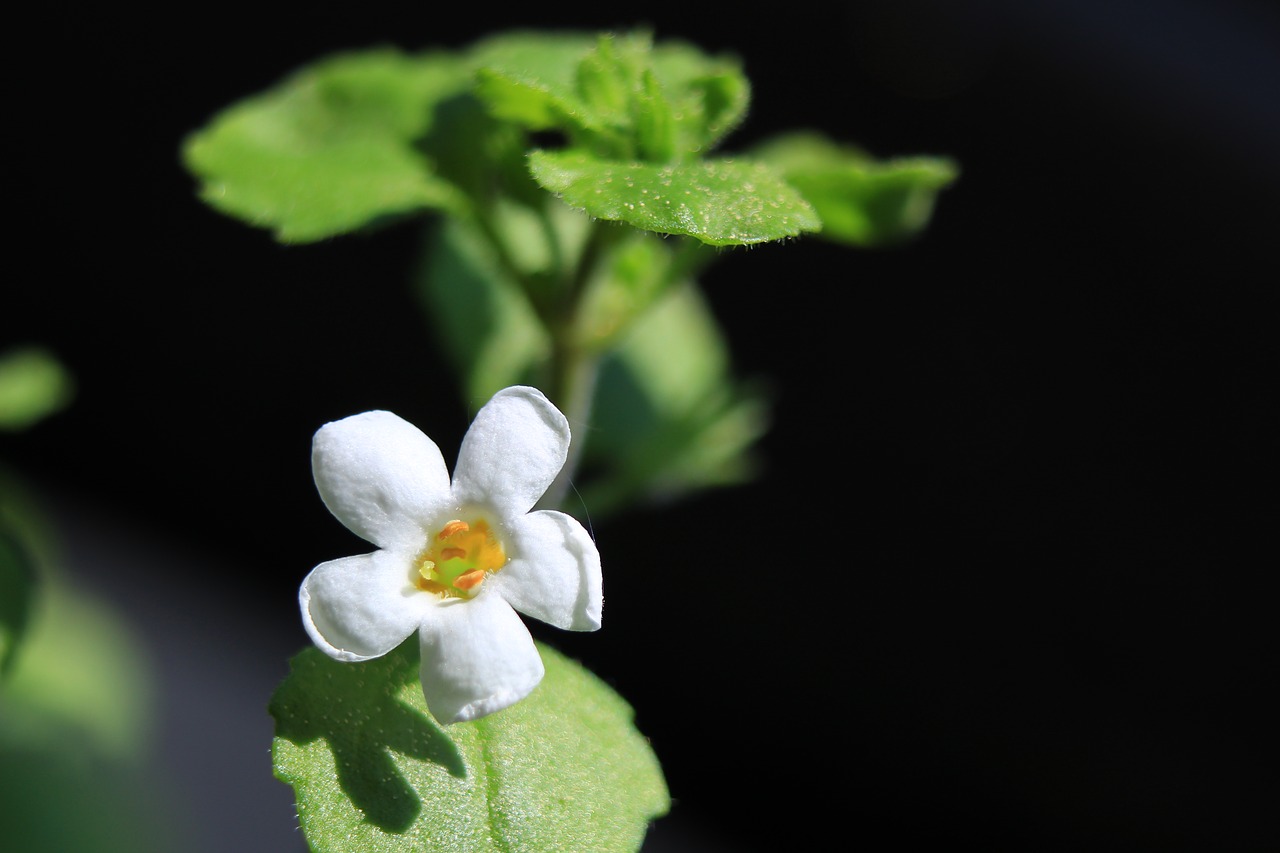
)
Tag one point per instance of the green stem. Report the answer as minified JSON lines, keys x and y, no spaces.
{"x":574,"y":368}
{"x":483,"y":220}
{"x":575,"y":384}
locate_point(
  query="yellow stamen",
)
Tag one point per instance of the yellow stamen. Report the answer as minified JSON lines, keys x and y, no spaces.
{"x":456,"y":569}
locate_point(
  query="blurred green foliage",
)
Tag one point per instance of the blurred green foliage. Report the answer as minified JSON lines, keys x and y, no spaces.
{"x":33,"y":385}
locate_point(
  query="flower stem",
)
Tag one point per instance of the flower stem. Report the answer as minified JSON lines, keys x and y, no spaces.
{"x":574,"y":393}
{"x":574,"y":367}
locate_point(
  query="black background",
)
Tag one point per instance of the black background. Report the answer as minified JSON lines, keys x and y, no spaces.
{"x":1008,"y":581}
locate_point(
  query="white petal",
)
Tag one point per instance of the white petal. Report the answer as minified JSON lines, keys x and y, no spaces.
{"x":381,"y":477}
{"x":362,"y":607}
{"x":477,"y":658}
{"x":554,"y":573}
{"x":512,"y":452}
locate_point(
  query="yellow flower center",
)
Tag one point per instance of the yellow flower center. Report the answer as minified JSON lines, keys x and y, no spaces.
{"x":459,"y":558}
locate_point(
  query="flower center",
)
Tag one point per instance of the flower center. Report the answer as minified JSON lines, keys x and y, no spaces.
{"x":459,"y":558}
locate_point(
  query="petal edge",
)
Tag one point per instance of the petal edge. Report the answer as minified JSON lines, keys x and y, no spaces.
{"x":477,"y":658}
{"x":381,"y":476}
{"x":512,"y":452}
{"x":555,"y":574}
{"x":359,"y":608}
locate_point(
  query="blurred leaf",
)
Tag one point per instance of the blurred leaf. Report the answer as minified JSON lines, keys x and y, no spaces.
{"x":635,"y":271}
{"x":654,"y":122}
{"x":26,"y":544}
{"x":330,"y":149}
{"x":63,"y":798}
{"x":563,"y":769}
{"x":530,"y":77}
{"x":861,"y":201}
{"x":708,"y":96}
{"x":482,"y":157}
{"x":17,"y":589}
{"x":75,"y":718}
{"x":81,"y":667}
{"x":669,"y":419}
{"x":483,"y":323}
{"x":720,"y":202}
{"x":33,"y":385}
{"x":609,"y":76}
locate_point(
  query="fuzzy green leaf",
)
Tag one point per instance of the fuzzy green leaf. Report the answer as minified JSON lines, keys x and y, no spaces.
{"x":616,"y":95}
{"x":655,"y":125}
{"x":608,"y":74}
{"x":563,"y":769}
{"x":720,"y":202}
{"x":330,"y":149}
{"x":708,"y":96}
{"x":862,"y":201}
{"x":529,"y":77}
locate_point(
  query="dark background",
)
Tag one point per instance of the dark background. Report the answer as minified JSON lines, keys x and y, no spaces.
{"x":1008,"y":581}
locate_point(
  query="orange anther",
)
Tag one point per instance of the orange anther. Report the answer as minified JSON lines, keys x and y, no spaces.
{"x":452,"y":553}
{"x":469,"y":580}
{"x":453,"y":527}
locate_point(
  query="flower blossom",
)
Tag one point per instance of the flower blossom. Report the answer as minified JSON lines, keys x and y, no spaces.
{"x":455,"y":560}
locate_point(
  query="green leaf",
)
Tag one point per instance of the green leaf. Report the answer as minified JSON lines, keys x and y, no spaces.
{"x":563,"y":769}
{"x":535,"y":81}
{"x":330,"y":149}
{"x":862,"y":201}
{"x":33,"y":385}
{"x":587,"y":94}
{"x":655,"y":125}
{"x":619,"y":96}
{"x":720,"y":202}
{"x":708,"y":96}
{"x":365,"y":137}
{"x":609,"y":73}
{"x":636,"y":270}
{"x":529,"y":77}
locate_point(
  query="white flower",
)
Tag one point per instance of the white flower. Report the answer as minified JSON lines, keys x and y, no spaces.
{"x":454,"y":558}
